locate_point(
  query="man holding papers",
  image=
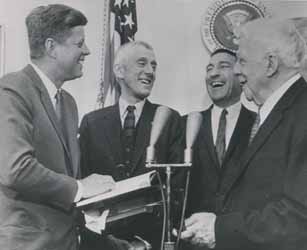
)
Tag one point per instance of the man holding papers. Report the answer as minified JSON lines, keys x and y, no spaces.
{"x":114,"y":139}
{"x":39,"y":153}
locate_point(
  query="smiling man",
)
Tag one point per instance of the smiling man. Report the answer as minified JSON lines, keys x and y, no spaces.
{"x":222,"y":138}
{"x":39,"y":151}
{"x":264,"y":202}
{"x":114,"y":139}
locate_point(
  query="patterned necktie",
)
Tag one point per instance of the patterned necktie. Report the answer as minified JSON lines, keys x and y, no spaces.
{"x":255,"y":127}
{"x":129,"y":135}
{"x":220,"y":145}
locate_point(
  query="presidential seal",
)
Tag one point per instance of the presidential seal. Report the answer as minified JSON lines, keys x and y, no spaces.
{"x":219,"y":25}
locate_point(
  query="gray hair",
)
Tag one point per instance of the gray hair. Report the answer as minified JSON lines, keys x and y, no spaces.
{"x":123,"y":52}
{"x":279,"y":36}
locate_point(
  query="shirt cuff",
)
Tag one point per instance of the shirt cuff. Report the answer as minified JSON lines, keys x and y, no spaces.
{"x":79,"y":192}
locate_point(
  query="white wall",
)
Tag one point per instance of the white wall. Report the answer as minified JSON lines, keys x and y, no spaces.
{"x":174,"y":32}
{"x":171,"y":26}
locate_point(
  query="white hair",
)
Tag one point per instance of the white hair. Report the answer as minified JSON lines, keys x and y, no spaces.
{"x":123,"y":52}
{"x":279,"y":36}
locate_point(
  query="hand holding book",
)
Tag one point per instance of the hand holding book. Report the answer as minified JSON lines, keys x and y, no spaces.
{"x":119,"y":188}
{"x":96,"y":184}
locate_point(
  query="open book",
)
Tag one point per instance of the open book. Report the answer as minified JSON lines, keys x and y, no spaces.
{"x":122,"y":188}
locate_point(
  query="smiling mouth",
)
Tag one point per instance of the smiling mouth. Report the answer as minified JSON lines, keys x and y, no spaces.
{"x":81,"y":60}
{"x":146,"y":81}
{"x":217,"y":84}
{"x":242,"y":83}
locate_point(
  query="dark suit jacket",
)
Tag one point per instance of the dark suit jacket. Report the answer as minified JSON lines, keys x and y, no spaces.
{"x":206,"y":174}
{"x":265,"y":201}
{"x":101,"y":150}
{"x":37,"y":187}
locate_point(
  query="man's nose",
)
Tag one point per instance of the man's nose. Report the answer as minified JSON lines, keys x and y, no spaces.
{"x":149,"y":69}
{"x":214,"y":72}
{"x":86,"y":50}
{"x":237,"y":69}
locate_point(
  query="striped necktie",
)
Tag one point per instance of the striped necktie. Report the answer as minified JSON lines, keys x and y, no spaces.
{"x":255,"y":127}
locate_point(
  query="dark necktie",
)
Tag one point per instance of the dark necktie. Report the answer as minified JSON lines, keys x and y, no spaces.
{"x":60,"y":112}
{"x":255,"y":127}
{"x":129,"y":135}
{"x":220,"y":144}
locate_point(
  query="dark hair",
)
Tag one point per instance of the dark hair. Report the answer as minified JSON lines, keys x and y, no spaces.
{"x":51,"y":21}
{"x":222,"y":50}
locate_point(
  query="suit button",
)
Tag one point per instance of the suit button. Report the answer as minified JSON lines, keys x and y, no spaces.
{"x":128,"y":174}
{"x":128,"y":150}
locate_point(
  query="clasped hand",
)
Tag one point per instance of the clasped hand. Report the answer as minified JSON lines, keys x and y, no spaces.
{"x":199,"y":229}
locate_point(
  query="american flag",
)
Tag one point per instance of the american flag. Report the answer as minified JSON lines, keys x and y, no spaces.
{"x":122,"y":26}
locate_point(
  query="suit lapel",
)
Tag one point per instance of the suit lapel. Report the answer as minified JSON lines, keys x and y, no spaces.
{"x":240,"y":134}
{"x":268,"y":127}
{"x":205,"y":135}
{"x":112,"y":126}
{"x":48,"y":107}
{"x":71,"y":114}
{"x":143,"y":133}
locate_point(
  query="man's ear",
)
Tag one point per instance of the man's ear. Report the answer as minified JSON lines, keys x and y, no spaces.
{"x":50,"y":47}
{"x":272,"y":64}
{"x":118,"y":70}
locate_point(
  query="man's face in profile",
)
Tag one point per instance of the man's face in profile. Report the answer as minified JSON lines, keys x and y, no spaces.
{"x":251,"y":70}
{"x":71,"y":54}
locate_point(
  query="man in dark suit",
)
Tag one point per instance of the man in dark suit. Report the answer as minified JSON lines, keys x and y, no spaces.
{"x":223,"y":135}
{"x":209,"y":162}
{"x":264,"y":202}
{"x":105,"y":146}
{"x":39,"y":154}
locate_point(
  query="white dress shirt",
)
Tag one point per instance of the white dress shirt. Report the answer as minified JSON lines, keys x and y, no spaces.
{"x":50,"y":86}
{"x":232,"y":116}
{"x":270,"y":103}
{"x":123,"y":104}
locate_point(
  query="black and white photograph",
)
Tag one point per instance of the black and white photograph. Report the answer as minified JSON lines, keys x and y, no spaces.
{"x":153,"y":124}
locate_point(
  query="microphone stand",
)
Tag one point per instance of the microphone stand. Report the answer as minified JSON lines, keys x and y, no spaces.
{"x":150,"y":163}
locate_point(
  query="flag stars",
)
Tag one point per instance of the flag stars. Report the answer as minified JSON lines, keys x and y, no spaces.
{"x":118,"y":2}
{"x":129,"y":20}
{"x":126,"y":2}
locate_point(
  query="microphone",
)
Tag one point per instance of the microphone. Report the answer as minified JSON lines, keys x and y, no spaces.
{"x":194,"y":121}
{"x":161,"y":117}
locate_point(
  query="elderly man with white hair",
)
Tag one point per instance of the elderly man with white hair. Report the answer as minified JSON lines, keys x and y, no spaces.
{"x":265,"y":201}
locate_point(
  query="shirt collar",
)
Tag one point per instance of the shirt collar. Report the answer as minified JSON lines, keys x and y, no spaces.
{"x":270,"y":103}
{"x":232,"y":110}
{"x":50,"y":86}
{"x":123,"y":104}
